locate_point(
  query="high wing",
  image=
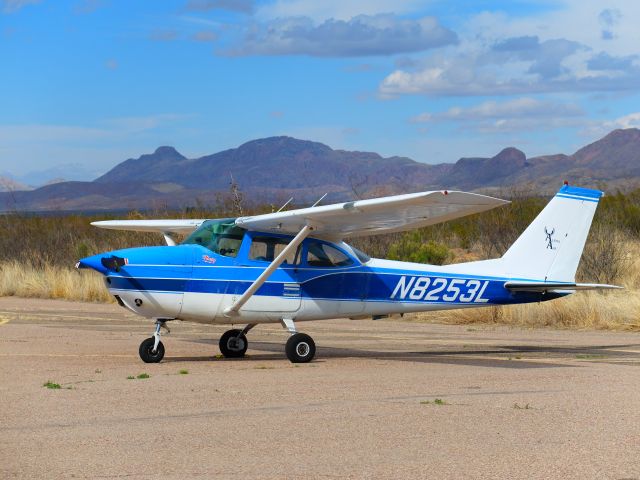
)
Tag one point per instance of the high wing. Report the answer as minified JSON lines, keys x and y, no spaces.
{"x":168,"y":228}
{"x":184,"y":226}
{"x":379,"y":215}
{"x":554,"y":286}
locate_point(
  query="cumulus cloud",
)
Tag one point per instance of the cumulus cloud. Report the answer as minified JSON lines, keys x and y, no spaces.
{"x":338,"y":9}
{"x":511,"y":115}
{"x":11,"y":6}
{"x":604,"y":61}
{"x":515,"y":66}
{"x":608,"y":19}
{"x":240,"y":6}
{"x":595,"y":129}
{"x":383,"y":34}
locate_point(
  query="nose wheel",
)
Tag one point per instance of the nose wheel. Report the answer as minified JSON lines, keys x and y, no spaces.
{"x":147,"y":352}
{"x":152,"y":350}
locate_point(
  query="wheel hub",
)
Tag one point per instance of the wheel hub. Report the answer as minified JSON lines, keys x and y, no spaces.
{"x":235,"y":344}
{"x":302,"y":349}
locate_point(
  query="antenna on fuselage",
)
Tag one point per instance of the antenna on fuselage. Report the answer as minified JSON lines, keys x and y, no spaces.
{"x":319,"y":200}
{"x":286,"y":203}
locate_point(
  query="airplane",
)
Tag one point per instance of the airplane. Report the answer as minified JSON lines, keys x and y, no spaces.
{"x":294,"y":266}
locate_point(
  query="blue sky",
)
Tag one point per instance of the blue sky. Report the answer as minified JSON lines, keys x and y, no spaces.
{"x":89,"y":83}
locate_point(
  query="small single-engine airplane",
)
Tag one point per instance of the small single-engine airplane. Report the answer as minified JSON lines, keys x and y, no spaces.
{"x":293,"y":266}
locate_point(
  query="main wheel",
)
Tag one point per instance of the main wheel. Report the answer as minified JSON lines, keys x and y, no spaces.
{"x":146,"y":351}
{"x":233,"y":343}
{"x":300,"y":348}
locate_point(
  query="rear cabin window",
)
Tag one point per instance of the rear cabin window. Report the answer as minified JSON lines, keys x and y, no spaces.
{"x":266,"y":249}
{"x":323,"y":255}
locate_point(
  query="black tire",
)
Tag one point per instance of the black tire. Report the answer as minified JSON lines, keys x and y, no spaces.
{"x":300,"y":348}
{"x":146,"y":351}
{"x":233,"y":344}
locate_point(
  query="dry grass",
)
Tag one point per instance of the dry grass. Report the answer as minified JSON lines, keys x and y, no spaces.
{"x":582,"y":310}
{"x":23,"y":280}
{"x":609,"y":310}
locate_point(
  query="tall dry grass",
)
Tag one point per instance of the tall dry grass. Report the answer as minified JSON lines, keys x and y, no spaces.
{"x":609,"y":310}
{"x":24,"y":280}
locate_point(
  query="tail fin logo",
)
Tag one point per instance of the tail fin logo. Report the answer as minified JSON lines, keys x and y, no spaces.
{"x":550,"y":239}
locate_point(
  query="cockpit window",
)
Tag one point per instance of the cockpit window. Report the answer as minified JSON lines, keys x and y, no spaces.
{"x":219,"y":236}
{"x":323,"y":255}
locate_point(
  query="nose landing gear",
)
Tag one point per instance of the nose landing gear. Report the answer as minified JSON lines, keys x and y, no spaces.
{"x":152,"y":350}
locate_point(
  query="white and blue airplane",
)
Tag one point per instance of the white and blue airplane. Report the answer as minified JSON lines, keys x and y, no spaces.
{"x":293,"y":266}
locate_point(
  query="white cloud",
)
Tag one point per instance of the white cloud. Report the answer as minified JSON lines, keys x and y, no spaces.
{"x":336,"y":9}
{"x":382,"y":34}
{"x":514,"y":66}
{"x":518,"y":107}
{"x":519,"y":114}
{"x":576,"y":20}
{"x":598,"y":129}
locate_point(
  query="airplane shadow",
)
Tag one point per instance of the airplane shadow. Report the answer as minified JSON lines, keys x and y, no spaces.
{"x":499,"y":356}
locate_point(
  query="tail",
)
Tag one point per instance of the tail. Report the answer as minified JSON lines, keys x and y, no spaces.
{"x":550,"y":248}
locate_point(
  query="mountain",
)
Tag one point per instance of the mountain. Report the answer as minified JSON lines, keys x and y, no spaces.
{"x":161,"y":165}
{"x":270,"y":170}
{"x":274,"y":163}
{"x":8,"y":184}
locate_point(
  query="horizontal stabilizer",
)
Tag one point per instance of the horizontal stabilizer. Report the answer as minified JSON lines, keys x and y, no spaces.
{"x":553,"y":286}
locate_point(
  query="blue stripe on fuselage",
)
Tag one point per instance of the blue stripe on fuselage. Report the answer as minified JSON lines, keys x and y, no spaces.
{"x":355,"y":284}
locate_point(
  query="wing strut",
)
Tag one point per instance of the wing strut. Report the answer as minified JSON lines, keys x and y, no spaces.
{"x":297,"y":240}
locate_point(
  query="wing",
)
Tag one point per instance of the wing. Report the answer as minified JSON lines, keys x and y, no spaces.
{"x":184,"y":226}
{"x":379,"y":215}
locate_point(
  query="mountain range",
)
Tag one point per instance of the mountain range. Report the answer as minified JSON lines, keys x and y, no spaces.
{"x":272,"y":169}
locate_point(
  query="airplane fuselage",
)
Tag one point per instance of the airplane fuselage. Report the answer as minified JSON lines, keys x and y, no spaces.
{"x":189,"y":282}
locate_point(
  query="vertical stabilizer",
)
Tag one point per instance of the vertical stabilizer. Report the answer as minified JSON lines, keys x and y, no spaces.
{"x":551,"y":246}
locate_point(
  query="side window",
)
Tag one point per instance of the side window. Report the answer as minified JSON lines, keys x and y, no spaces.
{"x":266,"y":249}
{"x":323,"y":255}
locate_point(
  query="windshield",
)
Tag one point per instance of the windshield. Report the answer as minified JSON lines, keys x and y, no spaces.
{"x":219,"y":236}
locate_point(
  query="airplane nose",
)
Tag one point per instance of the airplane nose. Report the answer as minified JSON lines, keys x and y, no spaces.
{"x":94,"y":262}
{"x":103,"y":263}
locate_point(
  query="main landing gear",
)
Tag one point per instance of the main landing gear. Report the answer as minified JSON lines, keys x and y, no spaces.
{"x":233,"y":343}
{"x":300,"y":347}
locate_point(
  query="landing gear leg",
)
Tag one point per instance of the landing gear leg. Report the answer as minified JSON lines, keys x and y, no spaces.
{"x":152,"y":350}
{"x":234,"y":343}
{"x":300,"y":347}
